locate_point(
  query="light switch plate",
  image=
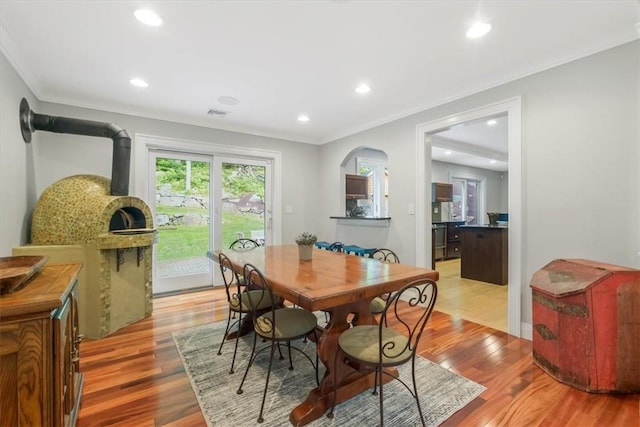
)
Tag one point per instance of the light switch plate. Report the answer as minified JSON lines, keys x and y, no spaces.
{"x":288,"y":209}
{"x":412,"y":209}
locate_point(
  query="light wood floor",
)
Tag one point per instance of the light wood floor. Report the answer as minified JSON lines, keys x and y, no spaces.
{"x":479,"y":302}
{"x":135,"y":377}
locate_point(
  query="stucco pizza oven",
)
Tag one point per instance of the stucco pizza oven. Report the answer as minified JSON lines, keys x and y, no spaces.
{"x":92,"y":219}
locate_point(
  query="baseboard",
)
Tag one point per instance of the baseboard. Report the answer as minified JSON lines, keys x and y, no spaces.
{"x":526,"y":331}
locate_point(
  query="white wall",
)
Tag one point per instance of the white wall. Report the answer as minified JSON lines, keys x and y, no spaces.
{"x":28,"y":169}
{"x":580,"y":164}
{"x":17,"y":183}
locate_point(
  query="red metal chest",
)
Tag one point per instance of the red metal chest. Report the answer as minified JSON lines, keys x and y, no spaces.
{"x":586,"y":324}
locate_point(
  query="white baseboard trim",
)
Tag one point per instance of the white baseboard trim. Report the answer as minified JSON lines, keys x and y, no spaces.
{"x":526,"y":331}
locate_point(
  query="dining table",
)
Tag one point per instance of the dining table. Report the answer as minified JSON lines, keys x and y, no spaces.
{"x":340,"y":284}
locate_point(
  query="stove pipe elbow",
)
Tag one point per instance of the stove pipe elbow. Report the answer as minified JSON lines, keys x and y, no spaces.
{"x":120,"y":167}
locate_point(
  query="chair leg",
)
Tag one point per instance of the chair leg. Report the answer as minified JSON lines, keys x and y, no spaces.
{"x":266,"y":384}
{"x":280,"y":351}
{"x":415,"y":389}
{"x":290,"y":360}
{"x":226,"y":331}
{"x":379,"y":369}
{"x":235,"y":348}
{"x":251,"y":357}
{"x":377,"y":379}
{"x":315,"y":334}
{"x":335,"y":385}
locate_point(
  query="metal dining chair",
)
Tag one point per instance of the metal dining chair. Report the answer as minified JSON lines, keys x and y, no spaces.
{"x":336,"y":247}
{"x":376,"y":347}
{"x":385,"y":255}
{"x":239,"y":299}
{"x":244,"y":244}
{"x":276,"y":326}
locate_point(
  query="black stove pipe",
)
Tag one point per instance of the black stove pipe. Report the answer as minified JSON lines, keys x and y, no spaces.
{"x":30,"y":122}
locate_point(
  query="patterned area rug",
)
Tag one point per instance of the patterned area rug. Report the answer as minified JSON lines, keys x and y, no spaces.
{"x":442,"y":392}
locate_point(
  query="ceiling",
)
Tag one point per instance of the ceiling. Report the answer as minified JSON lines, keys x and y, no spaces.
{"x":482,"y":143}
{"x":281,"y":59}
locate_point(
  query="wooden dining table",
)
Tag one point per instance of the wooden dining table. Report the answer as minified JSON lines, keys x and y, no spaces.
{"x":340,"y":284}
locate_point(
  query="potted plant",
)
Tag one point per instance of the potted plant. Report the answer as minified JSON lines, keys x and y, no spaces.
{"x":305,"y":243}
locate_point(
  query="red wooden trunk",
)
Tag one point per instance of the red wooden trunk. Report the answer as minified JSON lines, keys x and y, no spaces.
{"x":586,"y":324}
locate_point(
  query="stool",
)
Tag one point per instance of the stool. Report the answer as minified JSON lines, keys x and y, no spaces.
{"x":357,"y":250}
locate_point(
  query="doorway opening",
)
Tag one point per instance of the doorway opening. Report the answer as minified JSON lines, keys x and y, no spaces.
{"x":512,"y":109}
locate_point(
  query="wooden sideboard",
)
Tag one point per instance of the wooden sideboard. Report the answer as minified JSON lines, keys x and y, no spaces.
{"x":39,"y":350}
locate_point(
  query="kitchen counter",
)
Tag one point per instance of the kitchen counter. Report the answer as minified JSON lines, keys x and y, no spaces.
{"x":484,"y":251}
{"x":484,"y":226}
{"x":382,"y":218}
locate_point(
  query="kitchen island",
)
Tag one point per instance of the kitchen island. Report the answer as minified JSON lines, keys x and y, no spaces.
{"x":484,"y":251}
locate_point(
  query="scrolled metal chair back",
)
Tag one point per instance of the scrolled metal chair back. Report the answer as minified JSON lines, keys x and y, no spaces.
{"x":244,"y":245}
{"x":336,"y":247}
{"x":385,"y":255}
{"x":232,"y":283}
{"x":255,"y":280}
{"x":420,"y":294}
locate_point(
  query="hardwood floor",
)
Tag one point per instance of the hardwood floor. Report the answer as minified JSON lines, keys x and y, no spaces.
{"x":135,"y":377}
{"x":478,"y":302}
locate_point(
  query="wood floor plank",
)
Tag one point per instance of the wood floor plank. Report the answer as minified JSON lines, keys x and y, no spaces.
{"x":135,"y":377}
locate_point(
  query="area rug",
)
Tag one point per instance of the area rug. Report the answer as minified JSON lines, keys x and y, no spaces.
{"x":442,"y":392}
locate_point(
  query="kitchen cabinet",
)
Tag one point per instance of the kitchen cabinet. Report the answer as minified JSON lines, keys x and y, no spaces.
{"x":484,"y":252}
{"x":446,"y":240}
{"x":356,"y":186}
{"x":441,"y":192}
{"x":453,"y":240}
{"x":39,"y":350}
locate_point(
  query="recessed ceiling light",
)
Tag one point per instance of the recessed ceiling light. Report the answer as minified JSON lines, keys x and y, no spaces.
{"x":303,"y":118}
{"x":363,"y":88}
{"x":493,"y":162}
{"x":139,"y":83}
{"x":448,"y":153}
{"x":478,"y":29}
{"x":228,"y":100}
{"x":148,"y":17}
{"x":492,"y":122}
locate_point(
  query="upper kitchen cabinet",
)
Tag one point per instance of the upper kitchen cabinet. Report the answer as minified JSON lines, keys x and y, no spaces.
{"x":356,"y":186}
{"x":441,"y":192}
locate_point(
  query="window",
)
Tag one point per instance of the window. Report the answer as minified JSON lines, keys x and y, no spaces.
{"x":466,"y":200}
{"x":377,"y":205}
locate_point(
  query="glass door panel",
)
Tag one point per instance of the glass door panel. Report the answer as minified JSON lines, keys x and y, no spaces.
{"x":243,"y":209}
{"x":181,"y":203}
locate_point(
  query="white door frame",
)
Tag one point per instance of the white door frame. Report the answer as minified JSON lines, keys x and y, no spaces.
{"x":513,"y":108}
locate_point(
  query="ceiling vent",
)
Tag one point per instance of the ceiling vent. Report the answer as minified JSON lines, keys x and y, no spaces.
{"x":217,"y":113}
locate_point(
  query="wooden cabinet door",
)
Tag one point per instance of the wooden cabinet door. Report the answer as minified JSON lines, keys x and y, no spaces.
{"x":484,"y":255}
{"x":441,"y":192}
{"x":356,"y":186}
{"x":24,"y":375}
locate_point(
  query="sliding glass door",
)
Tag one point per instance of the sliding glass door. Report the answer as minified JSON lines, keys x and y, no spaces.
{"x":203,"y":202}
{"x":243,"y":208}
{"x":181,"y":202}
